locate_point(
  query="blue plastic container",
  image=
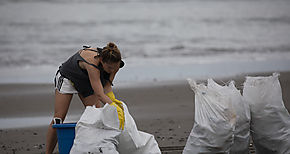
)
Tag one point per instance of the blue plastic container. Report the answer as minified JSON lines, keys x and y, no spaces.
{"x":65,"y":136}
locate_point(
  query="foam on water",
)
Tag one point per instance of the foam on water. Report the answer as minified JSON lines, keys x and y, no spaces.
{"x":138,"y":71}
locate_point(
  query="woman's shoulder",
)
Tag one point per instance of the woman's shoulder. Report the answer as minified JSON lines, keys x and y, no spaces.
{"x":90,"y":56}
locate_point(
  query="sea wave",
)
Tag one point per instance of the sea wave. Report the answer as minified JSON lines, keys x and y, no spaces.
{"x":48,"y":32}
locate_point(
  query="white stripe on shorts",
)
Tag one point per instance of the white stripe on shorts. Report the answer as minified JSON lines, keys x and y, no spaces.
{"x":64,"y":85}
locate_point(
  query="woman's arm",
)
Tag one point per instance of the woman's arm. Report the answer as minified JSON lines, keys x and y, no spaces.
{"x":108,"y":88}
{"x":94,"y":76}
{"x":108,"y":85}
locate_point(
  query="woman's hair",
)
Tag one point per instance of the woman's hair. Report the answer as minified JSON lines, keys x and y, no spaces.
{"x":110,"y":53}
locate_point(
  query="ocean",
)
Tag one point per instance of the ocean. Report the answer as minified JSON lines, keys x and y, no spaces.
{"x":160,"y":40}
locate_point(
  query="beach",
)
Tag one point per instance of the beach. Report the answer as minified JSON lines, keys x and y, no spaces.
{"x":164,"y":109}
{"x":162,"y":43}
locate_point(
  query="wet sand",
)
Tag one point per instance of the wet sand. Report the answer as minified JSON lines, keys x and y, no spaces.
{"x":164,"y":109}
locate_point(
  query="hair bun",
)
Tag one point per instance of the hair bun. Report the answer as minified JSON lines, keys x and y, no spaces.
{"x":111,"y":45}
{"x":111,"y":53}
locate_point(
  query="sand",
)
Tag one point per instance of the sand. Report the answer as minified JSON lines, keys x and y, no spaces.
{"x":164,"y":109}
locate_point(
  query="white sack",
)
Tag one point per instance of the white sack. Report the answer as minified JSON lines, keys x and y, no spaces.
{"x":270,"y":124}
{"x":214,"y":124}
{"x":132,"y":141}
{"x":98,"y":130}
{"x":242,"y":110}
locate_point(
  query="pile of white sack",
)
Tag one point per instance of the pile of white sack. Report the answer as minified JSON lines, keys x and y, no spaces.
{"x":97,"y":132}
{"x":224,"y":118}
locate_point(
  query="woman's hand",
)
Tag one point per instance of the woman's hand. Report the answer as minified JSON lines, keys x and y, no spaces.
{"x":112,"y":97}
{"x":119,"y":106}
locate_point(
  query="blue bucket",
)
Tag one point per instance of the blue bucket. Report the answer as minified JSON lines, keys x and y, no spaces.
{"x":65,"y":136}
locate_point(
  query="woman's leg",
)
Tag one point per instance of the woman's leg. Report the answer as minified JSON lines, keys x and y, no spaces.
{"x":62,"y":102}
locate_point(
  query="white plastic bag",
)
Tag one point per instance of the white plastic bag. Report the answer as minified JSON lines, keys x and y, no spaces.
{"x":243,"y":119}
{"x":98,"y":131}
{"x":242,"y":110}
{"x":132,"y":141}
{"x":215,"y":119}
{"x":270,"y":124}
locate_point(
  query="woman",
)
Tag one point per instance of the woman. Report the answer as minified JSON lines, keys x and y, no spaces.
{"x":89,"y":73}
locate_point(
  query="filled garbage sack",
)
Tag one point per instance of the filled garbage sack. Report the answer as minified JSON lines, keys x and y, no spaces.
{"x":242,"y":110}
{"x":215,"y":118}
{"x":98,"y":131}
{"x":270,"y":120}
{"x":132,"y":141}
